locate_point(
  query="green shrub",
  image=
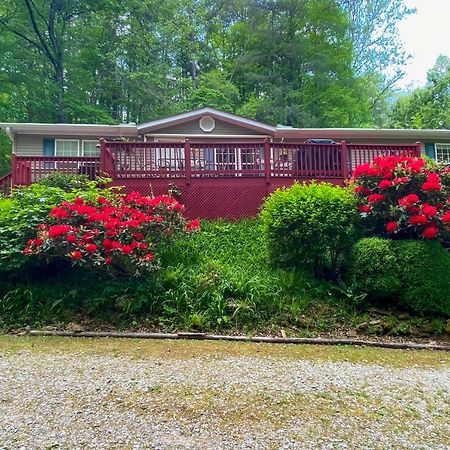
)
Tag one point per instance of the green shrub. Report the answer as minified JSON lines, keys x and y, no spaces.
{"x":310,"y":225}
{"x":25,"y":210}
{"x":375,"y":268}
{"x":64,"y":181}
{"x":425,"y":276}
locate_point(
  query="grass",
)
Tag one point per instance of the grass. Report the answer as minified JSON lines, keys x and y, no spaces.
{"x":185,"y":349}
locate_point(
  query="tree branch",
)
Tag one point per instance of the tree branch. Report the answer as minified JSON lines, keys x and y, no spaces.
{"x":38,"y":33}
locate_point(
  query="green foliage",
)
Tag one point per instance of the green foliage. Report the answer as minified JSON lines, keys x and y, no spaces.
{"x":375,"y":268}
{"x":410,"y":273}
{"x":425,"y":276}
{"x":303,"y":63}
{"x":26,"y":209}
{"x":311,"y":225}
{"x":218,"y":279}
{"x":429,"y":106}
{"x":66,"y":182}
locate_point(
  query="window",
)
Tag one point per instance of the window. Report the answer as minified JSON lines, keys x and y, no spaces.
{"x":66,"y":147}
{"x":226,"y":158}
{"x":90,"y":148}
{"x":442,"y":152}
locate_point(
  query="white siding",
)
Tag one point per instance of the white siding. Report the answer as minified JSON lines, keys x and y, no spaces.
{"x":33,"y":145}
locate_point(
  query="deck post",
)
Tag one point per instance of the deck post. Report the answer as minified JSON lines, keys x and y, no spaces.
{"x":187,"y":161}
{"x":267,"y":167}
{"x":13,"y":170}
{"x":102,"y":155}
{"x":418,"y":150}
{"x":344,"y":161}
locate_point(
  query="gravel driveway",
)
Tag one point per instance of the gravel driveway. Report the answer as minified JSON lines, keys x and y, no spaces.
{"x":84,"y":396}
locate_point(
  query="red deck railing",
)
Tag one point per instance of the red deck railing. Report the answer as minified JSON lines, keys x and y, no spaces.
{"x":186,"y":160}
{"x":30,"y":169}
{"x":6,"y":184}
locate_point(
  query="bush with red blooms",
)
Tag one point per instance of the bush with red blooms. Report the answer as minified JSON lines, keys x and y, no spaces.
{"x":404,"y":197}
{"x":122,"y":233}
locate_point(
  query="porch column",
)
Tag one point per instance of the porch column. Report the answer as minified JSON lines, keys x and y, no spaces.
{"x":187,"y":161}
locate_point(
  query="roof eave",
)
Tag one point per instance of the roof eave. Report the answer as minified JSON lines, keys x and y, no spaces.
{"x":71,"y":129}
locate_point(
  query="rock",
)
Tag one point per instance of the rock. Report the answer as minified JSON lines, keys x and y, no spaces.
{"x":427,"y":327}
{"x":351,"y":333}
{"x":375,"y":322}
{"x":283,"y":333}
{"x":49,"y":328}
{"x":75,"y":327}
{"x":379,"y":311}
{"x":362,"y":326}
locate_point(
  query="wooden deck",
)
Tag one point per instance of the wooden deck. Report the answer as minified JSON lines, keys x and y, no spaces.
{"x":215,"y":179}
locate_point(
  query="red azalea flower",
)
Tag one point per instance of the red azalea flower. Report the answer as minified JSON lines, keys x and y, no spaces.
{"x":78,"y":201}
{"x":108,"y":260}
{"x":430,"y":232}
{"x":71,"y":238}
{"x":375,"y":198}
{"x":58,"y":230}
{"x":149,"y":257}
{"x":429,"y":210}
{"x":400,"y":180}
{"x":364,"y":208}
{"x":91,"y":248}
{"x":446,"y":217}
{"x":384,"y":184}
{"x":76,"y":255}
{"x":193,"y":225}
{"x":391,"y":227}
{"x":419,"y":219}
{"x":38,"y":242}
{"x":408,"y":200}
{"x":126,"y":249}
{"x":59,"y":213}
{"x":138,"y":236}
{"x":102,"y":200}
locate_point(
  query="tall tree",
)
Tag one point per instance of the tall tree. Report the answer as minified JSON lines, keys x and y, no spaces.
{"x":427,"y":107}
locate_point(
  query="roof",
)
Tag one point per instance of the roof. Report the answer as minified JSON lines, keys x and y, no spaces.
{"x":64,"y":129}
{"x":362,"y":133}
{"x":198,"y":113}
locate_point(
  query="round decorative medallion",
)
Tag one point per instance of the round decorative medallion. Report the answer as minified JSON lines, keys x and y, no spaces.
{"x":207,"y":124}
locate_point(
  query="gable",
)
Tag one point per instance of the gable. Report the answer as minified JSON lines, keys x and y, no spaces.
{"x":192,"y":127}
{"x":199,"y":121}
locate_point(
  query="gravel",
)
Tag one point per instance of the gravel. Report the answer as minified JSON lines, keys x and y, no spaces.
{"x":83,"y":401}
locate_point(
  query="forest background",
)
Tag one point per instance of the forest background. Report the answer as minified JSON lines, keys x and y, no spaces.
{"x":305,"y":63}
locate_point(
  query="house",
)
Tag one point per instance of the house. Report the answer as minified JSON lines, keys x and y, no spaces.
{"x":223,"y":164}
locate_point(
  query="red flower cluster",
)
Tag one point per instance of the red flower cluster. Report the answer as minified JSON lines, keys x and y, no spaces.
{"x":402,"y":196}
{"x":123,"y":232}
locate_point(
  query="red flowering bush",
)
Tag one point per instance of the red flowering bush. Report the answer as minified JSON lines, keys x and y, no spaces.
{"x":404,"y":197}
{"x":123,"y":233}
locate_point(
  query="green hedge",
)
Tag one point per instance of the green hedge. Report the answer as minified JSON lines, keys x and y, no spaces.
{"x":375,"y":265}
{"x":412,"y":273}
{"x":425,"y":276}
{"x":311,"y":225}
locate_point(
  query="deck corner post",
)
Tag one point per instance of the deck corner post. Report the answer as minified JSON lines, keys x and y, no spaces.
{"x":267,"y":165}
{"x":13,"y":170}
{"x":102,"y":155}
{"x":344,"y":159}
{"x":418,"y":150}
{"x":187,"y":161}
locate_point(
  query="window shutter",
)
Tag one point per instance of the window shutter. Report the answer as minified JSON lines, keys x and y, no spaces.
{"x":429,"y":150}
{"x":49,"y":147}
